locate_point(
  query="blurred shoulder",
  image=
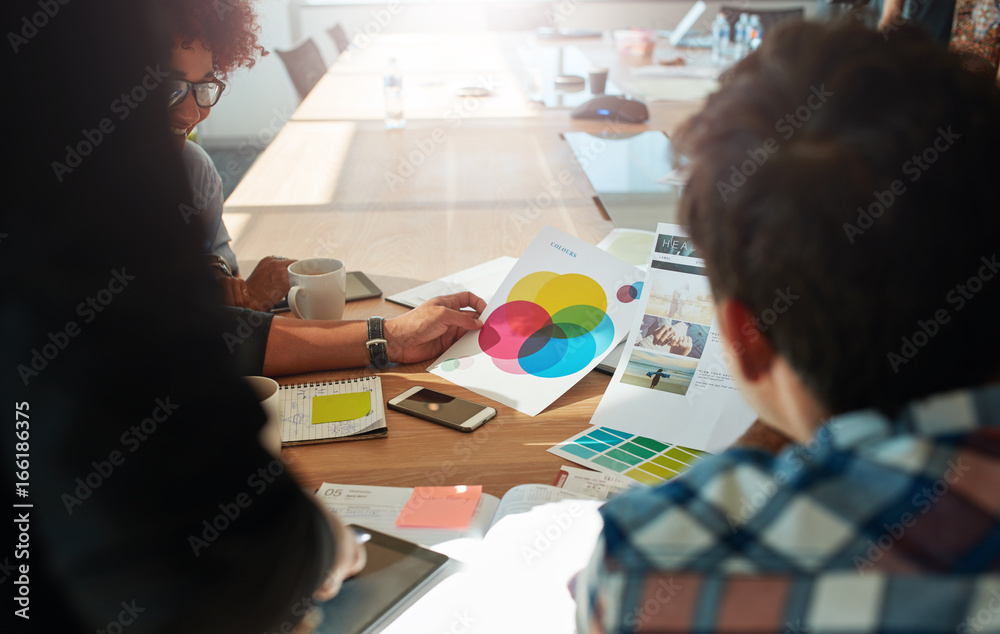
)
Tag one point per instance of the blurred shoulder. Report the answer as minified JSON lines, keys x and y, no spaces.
{"x":198,"y":163}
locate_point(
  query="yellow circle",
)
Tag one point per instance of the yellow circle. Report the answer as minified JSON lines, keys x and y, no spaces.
{"x":555,"y":292}
{"x":527,"y":288}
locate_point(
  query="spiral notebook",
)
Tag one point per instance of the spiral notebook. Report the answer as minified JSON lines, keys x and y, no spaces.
{"x":331,"y":411}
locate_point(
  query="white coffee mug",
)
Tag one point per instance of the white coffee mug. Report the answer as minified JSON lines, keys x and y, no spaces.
{"x":267,"y":393}
{"x":318,"y":288}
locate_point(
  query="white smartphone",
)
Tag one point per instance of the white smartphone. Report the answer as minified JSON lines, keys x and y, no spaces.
{"x":443,"y":409}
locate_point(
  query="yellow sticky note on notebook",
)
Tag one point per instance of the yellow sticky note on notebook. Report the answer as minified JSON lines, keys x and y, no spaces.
{"x":334,"y":408}
{"x":440,"y":507}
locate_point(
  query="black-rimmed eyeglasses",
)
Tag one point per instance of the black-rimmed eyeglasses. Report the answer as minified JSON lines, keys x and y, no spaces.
{"x":206,"y":93}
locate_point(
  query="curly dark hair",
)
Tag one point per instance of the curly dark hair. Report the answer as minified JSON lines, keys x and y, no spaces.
{"x":228,"y":27}
{"x":857,"y":172}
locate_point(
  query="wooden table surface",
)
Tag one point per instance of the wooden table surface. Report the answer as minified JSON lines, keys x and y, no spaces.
{"x":410,"y":206}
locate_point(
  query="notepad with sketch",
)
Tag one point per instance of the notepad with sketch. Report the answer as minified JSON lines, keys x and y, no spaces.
{"x":331,"y":411}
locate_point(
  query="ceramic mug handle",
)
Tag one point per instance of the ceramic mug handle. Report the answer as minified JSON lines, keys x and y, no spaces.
{"x":293,"y":293}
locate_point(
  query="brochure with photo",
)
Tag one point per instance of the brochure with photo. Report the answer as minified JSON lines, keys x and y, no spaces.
{"x":672,"y":382}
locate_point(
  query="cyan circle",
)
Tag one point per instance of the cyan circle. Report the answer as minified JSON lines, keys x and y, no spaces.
{"x":560,"y":356}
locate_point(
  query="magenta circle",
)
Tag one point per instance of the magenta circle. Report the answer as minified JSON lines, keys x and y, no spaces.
{"x":510,"y":366}
{"x":509,"y":326}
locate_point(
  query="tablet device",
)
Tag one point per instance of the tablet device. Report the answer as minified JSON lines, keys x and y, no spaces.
{"x":397,"y":572}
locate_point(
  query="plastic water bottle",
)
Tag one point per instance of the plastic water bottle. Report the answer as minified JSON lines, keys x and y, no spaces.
{"x":756,"y":31}
{"x":720,"y":40}
{"x":394,"y":119}
{"x":742,"y":36}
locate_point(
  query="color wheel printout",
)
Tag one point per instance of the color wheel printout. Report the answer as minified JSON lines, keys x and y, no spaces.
{"x":563,"y":307}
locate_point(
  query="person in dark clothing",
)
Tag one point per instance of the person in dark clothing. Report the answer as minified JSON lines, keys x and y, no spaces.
{"x":659,"y":374}
{"x":149,"y":499}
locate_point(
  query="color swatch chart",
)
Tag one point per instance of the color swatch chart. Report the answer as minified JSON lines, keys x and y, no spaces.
{"x":643,"y":459}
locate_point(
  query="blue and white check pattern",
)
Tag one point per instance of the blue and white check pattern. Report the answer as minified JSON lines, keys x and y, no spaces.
{"x":876,"y":525}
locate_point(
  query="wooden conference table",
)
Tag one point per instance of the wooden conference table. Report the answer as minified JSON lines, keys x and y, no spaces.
{"x":410,"y":206}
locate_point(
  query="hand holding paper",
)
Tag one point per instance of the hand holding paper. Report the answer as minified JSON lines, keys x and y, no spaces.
{"x":562,"y":308}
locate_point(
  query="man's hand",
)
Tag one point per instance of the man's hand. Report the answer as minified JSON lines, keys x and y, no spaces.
{"x":682,"y":346}
{"x":664,"y":336}
{"x":234,"y":291}
{"x":268,"y":283}
{"x":670,"y":335}
{"x":428,"y":330}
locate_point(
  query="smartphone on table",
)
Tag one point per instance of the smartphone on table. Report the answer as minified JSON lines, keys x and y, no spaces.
{"x":358,"y":287}
{"x":443,"y":409}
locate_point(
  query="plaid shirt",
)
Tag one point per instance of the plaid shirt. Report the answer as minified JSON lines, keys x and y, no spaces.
{"x":875,"y":525}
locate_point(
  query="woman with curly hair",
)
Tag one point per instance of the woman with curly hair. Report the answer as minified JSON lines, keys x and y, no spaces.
{"x":210,"y":39}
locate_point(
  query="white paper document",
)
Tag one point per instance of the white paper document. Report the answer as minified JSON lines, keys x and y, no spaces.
{"x":562,"y":308}
{"x":482,"y":280}
{"x":518,"y":581}
{"x":672,"y":383}
{"x":593,"y":484}
{"x":378,"y":507}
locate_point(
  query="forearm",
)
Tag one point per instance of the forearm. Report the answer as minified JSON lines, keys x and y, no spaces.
{"x":891,"y":10}
{"x":298,"y":346}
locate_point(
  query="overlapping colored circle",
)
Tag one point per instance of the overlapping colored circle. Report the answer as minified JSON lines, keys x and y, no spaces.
{"x":630,"y":292}
{"x":551,"y":326}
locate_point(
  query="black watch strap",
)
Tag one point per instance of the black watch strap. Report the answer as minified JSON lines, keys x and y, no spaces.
{"x":377,"y":350}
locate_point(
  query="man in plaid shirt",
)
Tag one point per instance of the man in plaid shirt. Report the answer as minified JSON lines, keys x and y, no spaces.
{"x":857,"y":171}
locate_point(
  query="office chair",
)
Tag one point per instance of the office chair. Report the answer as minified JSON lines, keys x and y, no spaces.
{"x":768,"y":18}
{"x":336,"y":33}
{"x":305,"y":66}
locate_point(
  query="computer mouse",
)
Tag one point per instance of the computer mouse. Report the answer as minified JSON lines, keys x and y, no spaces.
{"x":614,"y":108}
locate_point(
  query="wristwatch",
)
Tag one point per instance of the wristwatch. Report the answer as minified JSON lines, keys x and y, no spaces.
{"x":377,"y":350}
{"x":217,"y":263}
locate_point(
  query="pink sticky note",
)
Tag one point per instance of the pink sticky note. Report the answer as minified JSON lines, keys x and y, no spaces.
{"x":440,"y":507}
